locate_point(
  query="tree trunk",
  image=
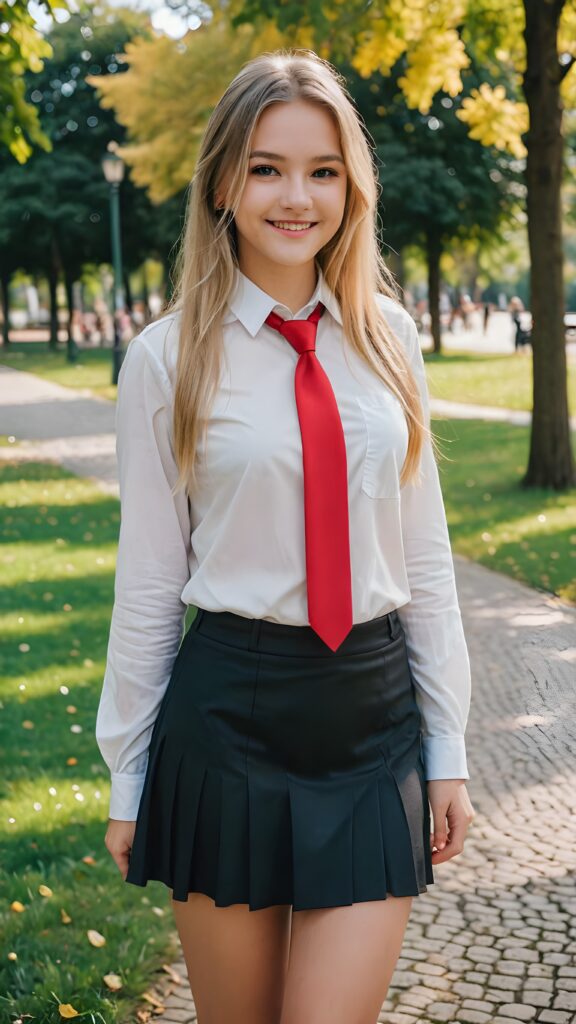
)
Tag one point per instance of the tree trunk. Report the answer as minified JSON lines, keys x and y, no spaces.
{"x":69,"y":288}
{"x":71,"y":346}
{"x":53,"y":273}
{"x":5,"y":287}
{"x":145,"y":295}
{"x":551,"y":462}
{"x":433,"y":253}
{"x":128,"y":299}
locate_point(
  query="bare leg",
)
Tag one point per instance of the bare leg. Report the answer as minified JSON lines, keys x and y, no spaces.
{"x":342,"y":960}
{"x":236,"y":959}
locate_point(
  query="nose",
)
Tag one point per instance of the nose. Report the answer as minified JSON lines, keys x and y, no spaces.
{"x":296,"y":193}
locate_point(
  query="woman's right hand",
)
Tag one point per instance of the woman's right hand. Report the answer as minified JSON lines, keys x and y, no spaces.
{"x":118,"y":841}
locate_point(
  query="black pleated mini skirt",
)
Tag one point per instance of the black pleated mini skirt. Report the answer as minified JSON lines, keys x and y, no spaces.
{"x":282,"y":772}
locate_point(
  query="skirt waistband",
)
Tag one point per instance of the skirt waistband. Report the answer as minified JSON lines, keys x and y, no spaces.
{"x":280,"y":638}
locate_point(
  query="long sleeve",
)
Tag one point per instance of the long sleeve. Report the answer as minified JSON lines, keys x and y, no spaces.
{"x":432,"y":623}
{"x":152,"y":569}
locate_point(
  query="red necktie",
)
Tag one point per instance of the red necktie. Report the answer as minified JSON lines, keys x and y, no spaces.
{"x":328,"y":575}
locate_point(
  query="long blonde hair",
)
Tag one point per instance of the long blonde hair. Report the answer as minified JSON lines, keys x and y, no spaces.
{"x":351,"y":261}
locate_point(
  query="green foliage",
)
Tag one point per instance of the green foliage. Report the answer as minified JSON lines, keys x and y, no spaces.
{"x":54,"y":211}
{"x":22,"y":49}
{"x":435,"y":180}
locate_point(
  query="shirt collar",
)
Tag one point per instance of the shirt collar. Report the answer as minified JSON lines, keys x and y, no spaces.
{"x":251,"y":305}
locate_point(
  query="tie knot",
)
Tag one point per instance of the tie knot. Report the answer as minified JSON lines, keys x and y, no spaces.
{"x":300,"y":333}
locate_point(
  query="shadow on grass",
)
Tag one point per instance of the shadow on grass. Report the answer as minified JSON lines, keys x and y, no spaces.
{"x":526,"y":533}
{"x":52,"y":832}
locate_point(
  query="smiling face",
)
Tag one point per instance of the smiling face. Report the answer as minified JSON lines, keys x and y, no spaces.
{"x":294,"y":197}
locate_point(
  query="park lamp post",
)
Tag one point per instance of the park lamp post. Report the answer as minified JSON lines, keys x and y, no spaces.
{"x":113,"y":167}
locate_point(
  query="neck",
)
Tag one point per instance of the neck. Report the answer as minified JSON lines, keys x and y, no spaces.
{"x":292,"y":286}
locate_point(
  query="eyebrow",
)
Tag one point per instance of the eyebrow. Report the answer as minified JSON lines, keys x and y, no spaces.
{"x":328,"y":157}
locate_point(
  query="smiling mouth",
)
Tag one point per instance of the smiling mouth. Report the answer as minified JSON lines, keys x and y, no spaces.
{"x":295,"y":227}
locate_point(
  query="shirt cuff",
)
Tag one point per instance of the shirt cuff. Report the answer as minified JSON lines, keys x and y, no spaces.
{"x":125,"y":794}
{"x":444,"y":757}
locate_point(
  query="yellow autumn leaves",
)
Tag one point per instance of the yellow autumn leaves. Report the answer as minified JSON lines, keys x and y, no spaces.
{"x":495,"y":120}
{"x":112,"y":981}
{"x":170,"y":87}
{"x":428,"y":34}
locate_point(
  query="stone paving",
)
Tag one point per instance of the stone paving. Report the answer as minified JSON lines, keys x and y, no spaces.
{"x":494,"y":939}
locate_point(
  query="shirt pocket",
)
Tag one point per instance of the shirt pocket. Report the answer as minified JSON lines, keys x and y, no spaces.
{"x":386,"y":438}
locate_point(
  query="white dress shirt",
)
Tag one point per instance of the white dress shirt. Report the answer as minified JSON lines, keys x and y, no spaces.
{"x":239,"y":545}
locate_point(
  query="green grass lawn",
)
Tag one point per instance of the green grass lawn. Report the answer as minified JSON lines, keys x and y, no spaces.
{"x":93,"y":370}
{"x":59,"y":537}
{"x":497,"y":380}
{"x":504,"y":381}
{"x":530,"y":535}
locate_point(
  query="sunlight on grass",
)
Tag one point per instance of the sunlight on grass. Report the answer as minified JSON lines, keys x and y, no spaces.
{"x":504,"y":381}
{"x":54,"y":786}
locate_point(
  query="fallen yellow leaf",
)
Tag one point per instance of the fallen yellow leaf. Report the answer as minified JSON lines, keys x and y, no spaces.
{"x":94,"y":938}
{"x":67,"y":1010}
{"x":176,"y":978}
{"x":113,"y":981}
{"x":27,"y":724}
{"x":12,"y":956}
{"x":45,"y":890}
{"x":89,"y":860}
{"x":151,"y":998}
{"x":17,"y":906}
{"x":64,"y":916}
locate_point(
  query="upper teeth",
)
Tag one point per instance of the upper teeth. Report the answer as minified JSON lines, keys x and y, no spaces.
{"x":291,"y":227}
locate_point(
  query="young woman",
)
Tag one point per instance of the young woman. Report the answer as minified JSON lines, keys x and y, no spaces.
{"x":276,"y":770}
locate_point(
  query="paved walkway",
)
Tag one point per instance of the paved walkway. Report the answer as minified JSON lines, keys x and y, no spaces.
{"x":54,"y":423}
{"x":77,"y":430}
{"x":494,"y":939}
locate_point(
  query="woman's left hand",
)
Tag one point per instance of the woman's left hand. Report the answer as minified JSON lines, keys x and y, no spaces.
{"x":453,"y":813}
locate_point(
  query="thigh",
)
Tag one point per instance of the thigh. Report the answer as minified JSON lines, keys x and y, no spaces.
{"x":342,"y":960}
{"x":236,"y":959}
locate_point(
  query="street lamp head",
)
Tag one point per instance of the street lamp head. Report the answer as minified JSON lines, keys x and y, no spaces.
{"x":113,"y":167}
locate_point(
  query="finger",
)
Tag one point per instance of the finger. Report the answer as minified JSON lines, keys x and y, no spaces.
{"x":440,"y":833}
{"x":458,"y":834}
{"x":122,"y":860}
{"x":455,"y":843}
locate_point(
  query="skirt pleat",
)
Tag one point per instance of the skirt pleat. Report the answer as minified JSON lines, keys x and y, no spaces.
{"x":188,"y":793}
{"x":322,"y":852}
{"x":224,"y":814}
{"x":268,"y":840}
